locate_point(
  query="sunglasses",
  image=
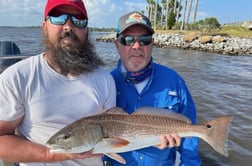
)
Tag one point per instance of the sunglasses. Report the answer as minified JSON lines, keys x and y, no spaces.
{"x":62,"y":19}
{"x":128,"y":40}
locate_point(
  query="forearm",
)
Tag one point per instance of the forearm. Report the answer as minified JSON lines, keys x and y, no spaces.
{"x":17,"y":149}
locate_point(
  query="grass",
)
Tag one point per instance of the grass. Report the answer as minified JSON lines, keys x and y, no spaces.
{"x":235,"y":31}
{"x":230,"y":31}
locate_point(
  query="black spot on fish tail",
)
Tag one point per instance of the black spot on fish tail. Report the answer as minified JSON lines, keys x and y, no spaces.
{"x":208,"y":126}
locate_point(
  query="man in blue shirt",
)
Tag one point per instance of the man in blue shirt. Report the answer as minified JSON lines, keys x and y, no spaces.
{"x":141,"y":82}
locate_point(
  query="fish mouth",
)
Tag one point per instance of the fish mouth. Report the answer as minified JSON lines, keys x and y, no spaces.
{"x":57,"y":148}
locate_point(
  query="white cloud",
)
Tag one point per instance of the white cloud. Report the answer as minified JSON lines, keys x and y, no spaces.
{"x":202,"y":15}
{"x":102,"y":13}
{"x":105,"y":13}
{"x":135,"y":6}
{"x":21,"y":12}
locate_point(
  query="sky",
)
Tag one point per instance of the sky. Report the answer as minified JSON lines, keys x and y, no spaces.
{"x":105,"y":13}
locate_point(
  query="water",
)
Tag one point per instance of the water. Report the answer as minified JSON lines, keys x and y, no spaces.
{"x":220,"y":85}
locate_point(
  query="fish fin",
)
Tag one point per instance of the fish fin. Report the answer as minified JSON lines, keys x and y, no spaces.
{"x":217,"y":133}
{"x":116,"y":111}
{"x":161,"y":112}
{"x":116,"y":157}
{"x":116,"y":142}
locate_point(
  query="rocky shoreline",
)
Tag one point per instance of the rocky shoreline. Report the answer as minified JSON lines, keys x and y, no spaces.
{"x":192,"y":41}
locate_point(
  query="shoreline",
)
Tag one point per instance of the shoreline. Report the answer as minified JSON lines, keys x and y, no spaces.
{"x":232,"y":46}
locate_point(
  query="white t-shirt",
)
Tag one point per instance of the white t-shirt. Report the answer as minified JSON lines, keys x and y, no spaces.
{"x":49,"y":101}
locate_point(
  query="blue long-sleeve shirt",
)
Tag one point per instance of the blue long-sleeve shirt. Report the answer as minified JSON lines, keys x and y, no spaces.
{"x":165,"y":89}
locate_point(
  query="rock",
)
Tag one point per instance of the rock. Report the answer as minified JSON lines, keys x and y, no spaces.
{"x":107,"y":38}
{"x":190,"y":37}
{"x":216,"y":44}
{"x":218,"y":39}
{"x":205,"y":39}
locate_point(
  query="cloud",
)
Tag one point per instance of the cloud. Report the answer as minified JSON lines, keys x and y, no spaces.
{"x":105,"y":13}
{"x":18,"y":7}
{"x":135,"y":6}
{"x":202,"y":15}
{"x":102,"y":13}
{"x":19,"y":13}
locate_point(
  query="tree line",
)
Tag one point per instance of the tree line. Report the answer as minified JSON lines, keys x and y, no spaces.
{"x":166,"y":14}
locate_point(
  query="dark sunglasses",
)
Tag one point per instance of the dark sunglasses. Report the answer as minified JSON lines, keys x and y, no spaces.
{"x":128,"y":40}
{"x":62,"y":19}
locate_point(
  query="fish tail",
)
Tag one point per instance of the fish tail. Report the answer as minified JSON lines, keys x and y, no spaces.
{"x":217,"y":133}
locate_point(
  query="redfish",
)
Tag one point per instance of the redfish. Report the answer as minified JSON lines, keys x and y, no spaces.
{"x":115,"y":131}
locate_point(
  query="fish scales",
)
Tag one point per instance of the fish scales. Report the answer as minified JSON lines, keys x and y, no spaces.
{"x":139,"y":125}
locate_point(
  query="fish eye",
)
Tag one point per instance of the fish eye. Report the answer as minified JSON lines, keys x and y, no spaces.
{"x":66,"y":136}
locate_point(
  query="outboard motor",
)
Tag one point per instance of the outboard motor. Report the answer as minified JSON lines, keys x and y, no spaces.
{"x":8,"y":51}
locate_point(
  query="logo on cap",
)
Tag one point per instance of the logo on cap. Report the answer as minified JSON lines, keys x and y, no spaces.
{"x":135,"y":17}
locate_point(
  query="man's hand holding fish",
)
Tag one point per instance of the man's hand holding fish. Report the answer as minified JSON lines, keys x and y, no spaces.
{"x":169,"y":140}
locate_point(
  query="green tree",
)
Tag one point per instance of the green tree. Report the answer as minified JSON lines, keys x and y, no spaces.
{"x":174,"y":9}
{"x":171,"y":20}
{"x":207,"y":25}
{"x":166,"y":13}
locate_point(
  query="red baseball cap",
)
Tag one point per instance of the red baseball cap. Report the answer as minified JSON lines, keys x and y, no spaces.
{"x":78,"y":4}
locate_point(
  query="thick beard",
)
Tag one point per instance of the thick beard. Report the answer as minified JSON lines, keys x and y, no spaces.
{"x":79,"y":57}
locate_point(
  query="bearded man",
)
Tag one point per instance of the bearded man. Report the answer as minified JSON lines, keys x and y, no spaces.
{"x":44,"y":93}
